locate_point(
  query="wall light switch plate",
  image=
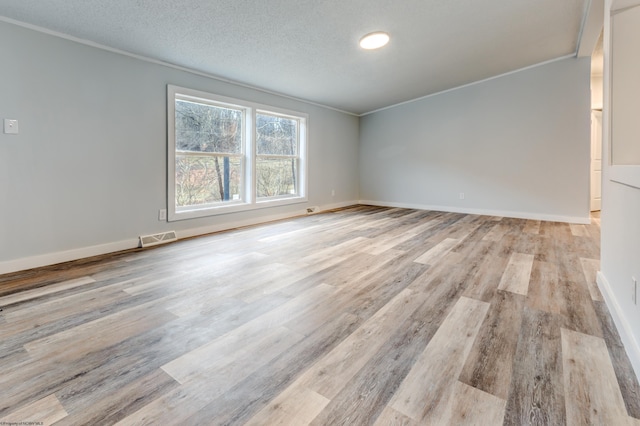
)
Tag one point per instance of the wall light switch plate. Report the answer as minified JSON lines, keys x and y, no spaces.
{"x":10,"y":126}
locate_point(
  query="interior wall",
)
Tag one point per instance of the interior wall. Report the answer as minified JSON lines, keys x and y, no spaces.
{"x":516,"y":145}
{"x":87,"y":172}
{"x":620,"y":227}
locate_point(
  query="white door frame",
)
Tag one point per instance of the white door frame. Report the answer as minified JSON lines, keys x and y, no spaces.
{"x":596,"y":160}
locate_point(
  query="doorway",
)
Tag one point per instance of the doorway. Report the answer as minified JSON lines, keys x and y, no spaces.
{"x":597,"y":95}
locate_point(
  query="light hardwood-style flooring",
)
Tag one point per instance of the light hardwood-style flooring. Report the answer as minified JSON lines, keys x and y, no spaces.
{"x":360,"y":316}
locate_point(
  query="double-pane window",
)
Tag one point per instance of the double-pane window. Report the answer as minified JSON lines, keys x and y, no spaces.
{"x":230,"y":155}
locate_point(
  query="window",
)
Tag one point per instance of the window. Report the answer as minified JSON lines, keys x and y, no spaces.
{"x":276,"y":155}
{"x":229,"y":155}
{"x":208,"y":154}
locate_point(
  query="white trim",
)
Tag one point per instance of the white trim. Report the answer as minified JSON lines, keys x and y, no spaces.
{"x":340,"y":205}
{"x":629,"y":342}
{"x":66,"y":256}
{"x":484,"y":212}
{"x":15,"y":265}
{"x":164,"y":63}
{"x":583,"y":24}
{"x":473,"y":83}
{"x":592,"y":24}
{"x":208,"y":211}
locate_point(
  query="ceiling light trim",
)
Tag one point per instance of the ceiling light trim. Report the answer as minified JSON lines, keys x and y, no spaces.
{"x":374,"y":40}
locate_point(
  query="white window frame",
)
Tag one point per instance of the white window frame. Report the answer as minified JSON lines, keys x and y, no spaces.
{"x":249,"y":201}
{"x":300,"y":124}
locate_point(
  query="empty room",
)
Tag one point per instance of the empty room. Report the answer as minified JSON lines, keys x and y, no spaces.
{"x":329,"y":213}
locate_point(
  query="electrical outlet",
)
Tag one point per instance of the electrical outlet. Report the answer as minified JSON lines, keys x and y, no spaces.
{"x":333,"y":192}
{"x":462,"y":195}
{"x":162,"y":214}
{"x":10,"y":126}
{"x":634,"y":290}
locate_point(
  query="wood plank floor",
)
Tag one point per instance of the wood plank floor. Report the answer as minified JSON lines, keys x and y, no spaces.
{"x":361,"y":316}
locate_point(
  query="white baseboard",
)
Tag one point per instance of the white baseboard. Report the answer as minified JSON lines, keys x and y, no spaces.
{"x":503,"y":213}
{"x":96,"y":250}
{"x":624,"y":328}
{"x":65,"y":256}
{"x":341,"y":205}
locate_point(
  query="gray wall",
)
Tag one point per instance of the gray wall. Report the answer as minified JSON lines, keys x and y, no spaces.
{"x":88,"y":169}
{"x":620,"y":222}
{"x":515,"y":145}
{"x":621,"y":260}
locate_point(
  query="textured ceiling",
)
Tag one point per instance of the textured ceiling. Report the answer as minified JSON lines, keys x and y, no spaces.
{"x":309,"y":48}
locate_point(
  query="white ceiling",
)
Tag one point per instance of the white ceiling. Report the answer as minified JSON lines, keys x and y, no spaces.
{"x":308,"y":49}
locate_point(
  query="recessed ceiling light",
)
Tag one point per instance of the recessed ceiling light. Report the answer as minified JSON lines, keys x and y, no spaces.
{"x":374,"y":40}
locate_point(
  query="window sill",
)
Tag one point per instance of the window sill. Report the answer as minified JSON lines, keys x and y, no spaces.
{"x":176,"y":215}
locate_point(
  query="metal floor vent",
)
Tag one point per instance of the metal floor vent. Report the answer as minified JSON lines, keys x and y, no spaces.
{"x":155,"y":239}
